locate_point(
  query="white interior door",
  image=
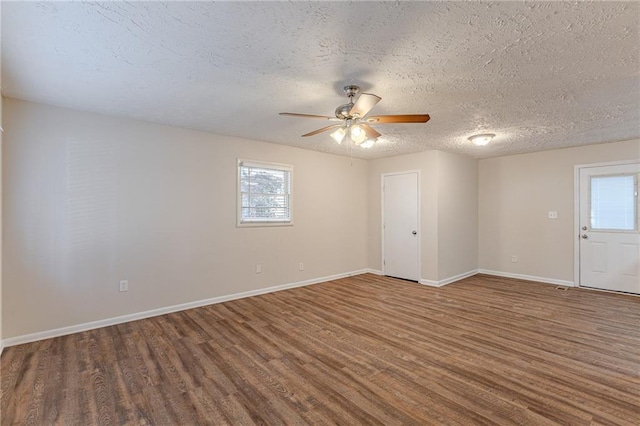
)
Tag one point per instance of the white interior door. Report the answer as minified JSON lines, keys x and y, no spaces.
{"x":400,"y":225}
{"x":609,"y":234}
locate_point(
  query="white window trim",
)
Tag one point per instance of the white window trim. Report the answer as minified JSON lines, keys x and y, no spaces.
{"x":262,"y":223}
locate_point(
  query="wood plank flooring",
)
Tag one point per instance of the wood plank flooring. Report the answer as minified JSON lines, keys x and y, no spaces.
{"x":361,"y":350}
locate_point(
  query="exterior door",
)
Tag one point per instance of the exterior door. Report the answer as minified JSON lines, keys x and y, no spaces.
{"x":400,"y":225}
{"x":609,"y":235}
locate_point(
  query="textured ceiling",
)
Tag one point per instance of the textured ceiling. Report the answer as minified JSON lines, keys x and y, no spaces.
{"x":540,"y":75}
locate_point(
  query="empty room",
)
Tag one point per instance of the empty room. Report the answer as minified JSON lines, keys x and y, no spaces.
{"x":352,"y":213}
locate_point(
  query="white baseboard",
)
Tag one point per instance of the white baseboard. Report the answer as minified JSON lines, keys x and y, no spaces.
{"x":48,"y":334}
{"x":527,"y":277}
{"x":372,"y":271}
{"x":449,"y":280}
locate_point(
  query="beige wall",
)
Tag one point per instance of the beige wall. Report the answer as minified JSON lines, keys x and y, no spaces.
{"x":515,"y":195}
{"x":90,"y":200}
{"x":1,"y":134}
{"x":448,"y":223}
{"x":1,"y":221}
{"x":457,"y":215}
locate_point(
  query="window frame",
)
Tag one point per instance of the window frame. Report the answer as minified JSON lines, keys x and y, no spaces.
{"x":243,"y":223}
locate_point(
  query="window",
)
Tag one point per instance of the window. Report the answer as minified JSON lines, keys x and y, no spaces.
{"x":613,"y":202}
{"x":264,"y":194}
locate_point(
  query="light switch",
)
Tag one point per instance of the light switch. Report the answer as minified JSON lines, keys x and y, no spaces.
{"x":553,"y":215}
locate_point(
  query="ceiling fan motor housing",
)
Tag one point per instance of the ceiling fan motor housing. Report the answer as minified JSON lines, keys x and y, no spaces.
{"x":342,"y":112}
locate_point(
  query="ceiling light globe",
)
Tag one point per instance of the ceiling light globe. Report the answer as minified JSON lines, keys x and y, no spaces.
{"x":357,"y":134}
{"x":481,"y":140}
{"x":338,"y":135}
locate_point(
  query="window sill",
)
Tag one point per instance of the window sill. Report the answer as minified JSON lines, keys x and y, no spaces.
{"x":262,"y":224}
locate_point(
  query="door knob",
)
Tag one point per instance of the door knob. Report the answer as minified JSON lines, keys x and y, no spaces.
{"x":584,"y":236}
{"x":584,"y":228}
{"x":414,"y":232}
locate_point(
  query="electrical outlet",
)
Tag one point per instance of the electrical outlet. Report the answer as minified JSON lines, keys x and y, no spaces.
{"x":553,"y":215}
{"x":300,"y":266}
{"x":514,"y":259}
{"x":124,"y":285}
{"x":258,"y":268}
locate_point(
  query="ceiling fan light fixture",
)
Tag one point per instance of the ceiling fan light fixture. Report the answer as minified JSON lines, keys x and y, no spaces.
{"x":355,"y":120}
{"x":357,"y":134}
{"x":482,"y":140}
{"x":338,"y":135}
{"x":368,"y":143}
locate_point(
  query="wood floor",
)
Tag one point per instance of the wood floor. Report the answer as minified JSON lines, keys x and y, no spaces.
{"x":361,"y":350}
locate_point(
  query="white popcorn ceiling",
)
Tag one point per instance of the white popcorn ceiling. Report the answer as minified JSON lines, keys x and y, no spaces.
{"x":540,"y":75}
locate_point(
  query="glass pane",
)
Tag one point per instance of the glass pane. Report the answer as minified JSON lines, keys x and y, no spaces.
{"x":264,"y":181}
{"x":613,"y":202}
{"x":246,"y":201}
{"x":265,"y":193}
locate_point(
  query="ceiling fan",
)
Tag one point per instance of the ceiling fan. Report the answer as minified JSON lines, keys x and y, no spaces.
{"x":354,"y":120}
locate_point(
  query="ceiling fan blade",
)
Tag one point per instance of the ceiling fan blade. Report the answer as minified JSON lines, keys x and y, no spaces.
{"x":370,"y":131}
{"x":401,"y":118}
{"x":363,"y":105}
{"x":321,"y":117}
{"x":324,"y":129}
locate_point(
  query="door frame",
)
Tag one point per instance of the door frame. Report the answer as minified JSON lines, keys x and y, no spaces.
{"x":576,"y":211}
{"x":382,"y":199}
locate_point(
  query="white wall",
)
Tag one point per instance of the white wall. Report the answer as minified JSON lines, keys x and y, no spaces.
{"x":90,"y":200}
{"x":517,"y":192}
{"x":449,"y":225}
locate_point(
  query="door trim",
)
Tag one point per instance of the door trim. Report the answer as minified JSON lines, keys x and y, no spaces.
{"x":576,"y":211}
{"x":382,"y":176}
